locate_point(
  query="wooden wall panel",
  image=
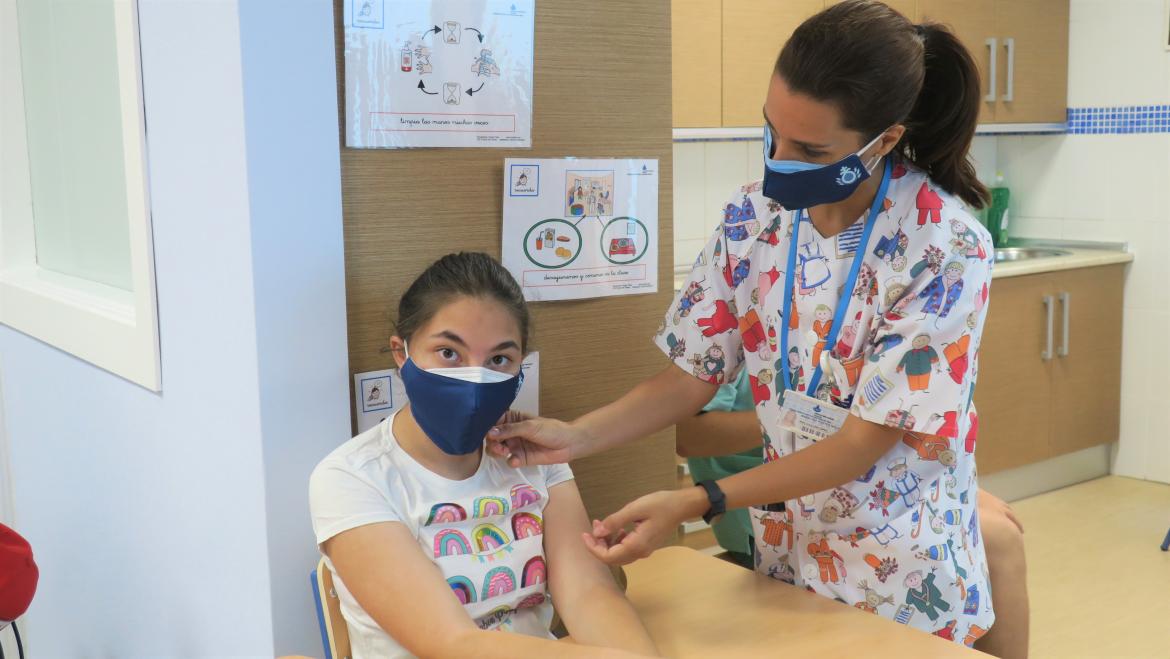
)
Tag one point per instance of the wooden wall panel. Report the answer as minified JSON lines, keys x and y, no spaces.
{"x":601,"y":89}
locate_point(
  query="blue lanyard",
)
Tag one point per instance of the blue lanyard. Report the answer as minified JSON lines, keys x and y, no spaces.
{"x":843,"y":303}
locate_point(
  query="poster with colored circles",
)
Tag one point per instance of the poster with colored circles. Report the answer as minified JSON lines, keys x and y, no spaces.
{"x":577,"y":229}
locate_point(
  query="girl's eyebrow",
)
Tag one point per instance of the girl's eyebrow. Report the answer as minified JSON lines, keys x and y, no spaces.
{"x":450,"y":336}
{"x":454,"y":338}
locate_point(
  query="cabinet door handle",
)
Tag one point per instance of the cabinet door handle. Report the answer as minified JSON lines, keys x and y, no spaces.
{"x":993,"y":48}
{"x":1049,"y":304}
{"x":1010,"y":88}
{"x":1065,"y":301}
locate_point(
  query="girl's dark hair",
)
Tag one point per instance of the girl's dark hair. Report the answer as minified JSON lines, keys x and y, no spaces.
{"x":879,"y":69}
{"x":471,"y":274}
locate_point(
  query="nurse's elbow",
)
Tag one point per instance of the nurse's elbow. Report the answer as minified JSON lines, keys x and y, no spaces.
{"x":685,"y":437}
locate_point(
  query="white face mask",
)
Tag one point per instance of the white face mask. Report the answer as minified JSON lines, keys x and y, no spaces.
{"x":477,"y":374}
{"x":472,"y":374}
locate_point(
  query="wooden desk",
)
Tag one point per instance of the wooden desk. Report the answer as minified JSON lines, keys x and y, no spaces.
{"x":698,"y":606}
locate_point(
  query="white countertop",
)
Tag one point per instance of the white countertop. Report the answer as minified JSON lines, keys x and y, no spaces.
{"x":1078,"y":258}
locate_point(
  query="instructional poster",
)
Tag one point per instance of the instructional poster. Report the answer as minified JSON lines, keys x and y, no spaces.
{"x":445,"y":73}
{"x":578,"y":229}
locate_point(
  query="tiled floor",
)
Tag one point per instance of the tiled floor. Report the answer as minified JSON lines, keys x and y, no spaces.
{"x":1099,"y":584}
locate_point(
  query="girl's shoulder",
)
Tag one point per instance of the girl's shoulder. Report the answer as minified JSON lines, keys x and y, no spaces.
{"x":541,"y":477}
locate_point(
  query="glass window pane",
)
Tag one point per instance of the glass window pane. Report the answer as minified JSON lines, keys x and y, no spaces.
{"x":73,"y":115}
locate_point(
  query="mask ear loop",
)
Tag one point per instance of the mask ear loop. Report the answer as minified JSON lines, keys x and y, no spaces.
{"x":877,"y":158}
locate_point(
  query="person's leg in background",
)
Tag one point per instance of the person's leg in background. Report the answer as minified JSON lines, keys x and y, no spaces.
{"x":1003,"y":542}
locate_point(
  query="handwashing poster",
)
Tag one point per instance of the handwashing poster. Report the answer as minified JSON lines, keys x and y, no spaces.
{"x":578,"y":229}
{"x":445,"y":73}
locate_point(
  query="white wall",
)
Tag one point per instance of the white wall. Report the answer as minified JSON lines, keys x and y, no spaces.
{"x":298,"y":266}
{"x":176,"y":524}
{"x":1083,"y":187}
{"x":1113,"y":187}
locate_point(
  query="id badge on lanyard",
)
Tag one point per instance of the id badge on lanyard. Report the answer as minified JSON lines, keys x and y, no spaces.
{"x":810,"y":417}
{"x":806,"y":415}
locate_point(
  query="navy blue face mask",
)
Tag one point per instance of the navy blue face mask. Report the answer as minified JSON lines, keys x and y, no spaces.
{"x":799,"y":185}
{"x":456,"y":407}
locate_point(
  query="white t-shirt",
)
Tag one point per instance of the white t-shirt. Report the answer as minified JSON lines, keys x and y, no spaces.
{"x":485,"y":533}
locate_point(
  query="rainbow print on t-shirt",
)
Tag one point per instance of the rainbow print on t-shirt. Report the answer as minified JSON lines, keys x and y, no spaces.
{"x":534,"y":572}
{"x":523,"y":495}
{"x":463,"y":589}
{"x":488,"y":537}
{"x":450,"y":542}
{"x":498,"y":581}
{"x":445,"y":513}
{"x":526,"y":525}
{"x":490,"y":507}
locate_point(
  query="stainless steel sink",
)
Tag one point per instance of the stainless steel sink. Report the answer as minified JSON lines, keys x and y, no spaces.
{"x":1013,"y":254}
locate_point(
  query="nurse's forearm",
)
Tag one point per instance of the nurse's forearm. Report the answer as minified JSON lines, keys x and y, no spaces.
{"x":717,"y":433}
{"x":656,"y":403}
{"x":830,"y":462}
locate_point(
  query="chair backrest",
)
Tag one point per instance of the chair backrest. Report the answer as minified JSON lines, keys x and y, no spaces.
{"x":334,"y":632}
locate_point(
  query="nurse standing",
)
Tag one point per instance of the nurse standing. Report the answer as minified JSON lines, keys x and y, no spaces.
{"x":866,"y":186}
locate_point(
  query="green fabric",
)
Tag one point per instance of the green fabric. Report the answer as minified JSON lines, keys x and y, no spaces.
{"x":734,"y":531}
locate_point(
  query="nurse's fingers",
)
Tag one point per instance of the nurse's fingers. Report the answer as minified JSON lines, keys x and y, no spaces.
{"x":513,"y":416}
{"x":628,"y":550}
{"x":515,"y":450}
{"x":630,"y":515}
{"x":526,"y":429}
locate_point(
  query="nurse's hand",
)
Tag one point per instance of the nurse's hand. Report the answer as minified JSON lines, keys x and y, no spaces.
{"x":528,"y":441}
{"x":644,"y":525}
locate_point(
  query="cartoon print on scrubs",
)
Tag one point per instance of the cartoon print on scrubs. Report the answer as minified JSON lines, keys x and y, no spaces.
{"x":906,"y":356}
{"x":944,"y":290}
{"x":918,"y":363}
{"x":739,"y":222}
{"x":929,"y":205}
{"x":966,"y":242}
{"x":693,"y":296}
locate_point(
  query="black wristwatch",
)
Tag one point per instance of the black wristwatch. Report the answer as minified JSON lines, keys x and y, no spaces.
{"x":717,"y":499}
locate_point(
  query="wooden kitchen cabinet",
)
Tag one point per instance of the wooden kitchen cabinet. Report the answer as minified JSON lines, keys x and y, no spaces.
{"x":1087,"y":380}
{"x":1033,"y":61}
{"x":753,"y":33}
{"x":1034,"y":400}
{"x":973,"y":21}
{"x":1021,"y":49}
{"x":696,"y":52}
{"x":1013,"y":392}
{"x":724,"y":51}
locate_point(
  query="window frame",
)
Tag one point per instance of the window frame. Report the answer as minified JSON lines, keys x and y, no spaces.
{"x":113,"y":329}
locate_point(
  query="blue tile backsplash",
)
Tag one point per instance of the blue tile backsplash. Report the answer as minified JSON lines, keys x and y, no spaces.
{"x":1119,"y":119}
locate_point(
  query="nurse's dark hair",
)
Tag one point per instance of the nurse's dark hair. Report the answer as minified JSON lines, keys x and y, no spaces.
{"x":879,"y":69}
{"x":466,"y":274}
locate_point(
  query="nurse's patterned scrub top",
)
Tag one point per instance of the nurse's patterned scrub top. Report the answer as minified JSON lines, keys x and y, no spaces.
{"x":902,"y":539}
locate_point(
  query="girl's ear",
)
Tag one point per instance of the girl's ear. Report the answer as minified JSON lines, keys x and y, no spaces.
{"x":398,"y":349}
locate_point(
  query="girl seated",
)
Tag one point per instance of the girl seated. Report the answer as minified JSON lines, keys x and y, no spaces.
{"x":436,"y":544}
